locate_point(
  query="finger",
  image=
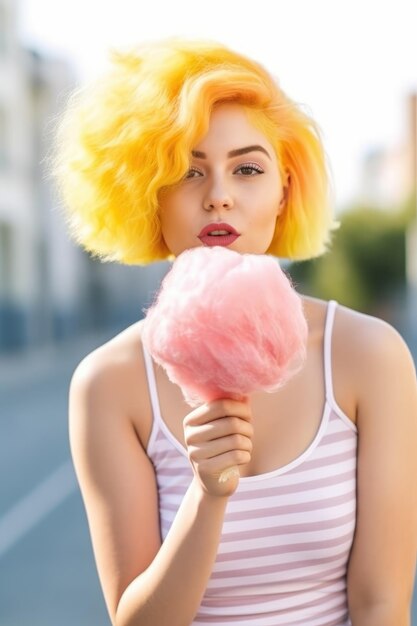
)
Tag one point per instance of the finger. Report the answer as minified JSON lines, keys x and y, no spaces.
{"x":218,"y":409}
{"x":217,"y":465}
{"x":221,"y":427}
{"x":230,"y":444}
{"x":210,"y":450}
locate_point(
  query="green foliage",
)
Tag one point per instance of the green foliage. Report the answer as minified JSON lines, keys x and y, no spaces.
{"x":366,"y":263}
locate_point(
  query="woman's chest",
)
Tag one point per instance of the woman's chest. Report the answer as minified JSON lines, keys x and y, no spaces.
{"x":285,"y":423}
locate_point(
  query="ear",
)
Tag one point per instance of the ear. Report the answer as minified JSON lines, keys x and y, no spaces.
{"x":284,"y":198}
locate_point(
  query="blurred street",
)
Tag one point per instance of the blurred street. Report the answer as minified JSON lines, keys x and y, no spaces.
{"x":47,"y":571}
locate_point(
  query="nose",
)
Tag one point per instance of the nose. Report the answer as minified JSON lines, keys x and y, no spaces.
{"x":217,"y":197}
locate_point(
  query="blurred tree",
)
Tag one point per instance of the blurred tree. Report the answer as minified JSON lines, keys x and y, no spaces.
{"x":365,"y":267}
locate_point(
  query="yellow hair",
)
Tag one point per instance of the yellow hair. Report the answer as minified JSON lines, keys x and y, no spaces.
{"x":127,"y":137}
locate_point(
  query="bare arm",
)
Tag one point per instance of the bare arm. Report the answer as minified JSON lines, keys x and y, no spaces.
{"x":143,"y":581}
{"x":170,"y":590}
{"x":383,"y":558}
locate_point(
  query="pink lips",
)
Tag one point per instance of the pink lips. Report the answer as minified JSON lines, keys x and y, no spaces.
{"x":218,"y":240}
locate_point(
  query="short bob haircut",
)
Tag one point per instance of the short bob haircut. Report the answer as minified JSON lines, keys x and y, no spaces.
{"x":128,"y":136}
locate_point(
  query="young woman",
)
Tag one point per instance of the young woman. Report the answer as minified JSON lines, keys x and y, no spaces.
{"x":181,"y":145}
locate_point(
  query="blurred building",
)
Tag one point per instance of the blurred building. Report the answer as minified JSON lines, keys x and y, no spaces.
{"x":388,"y":174}
{"x":18,"y":226}
{"x":49,"y":288}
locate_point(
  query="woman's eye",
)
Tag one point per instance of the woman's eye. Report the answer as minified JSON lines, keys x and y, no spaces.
{"x":193,"y":173}
{"x":250,"y":169}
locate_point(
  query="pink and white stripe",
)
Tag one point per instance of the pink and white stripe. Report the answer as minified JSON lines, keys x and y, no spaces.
{"x":287,"y":534}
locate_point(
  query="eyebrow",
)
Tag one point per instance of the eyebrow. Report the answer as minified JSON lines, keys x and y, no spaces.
{"x":233,"y":153}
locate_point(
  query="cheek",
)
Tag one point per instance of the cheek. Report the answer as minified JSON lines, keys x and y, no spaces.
{"x":275,"y":198}
{"x":176,"y":207}
{"x":169,"y":211}
{"x":169,"y":224}
{"x":270,"y":208}
{"x":176,"y":225}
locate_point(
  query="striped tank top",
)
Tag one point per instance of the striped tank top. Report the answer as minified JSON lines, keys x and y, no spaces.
{"x":287,"y":534}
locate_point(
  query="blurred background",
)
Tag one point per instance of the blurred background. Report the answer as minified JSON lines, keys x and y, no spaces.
{"x":351,"y":65}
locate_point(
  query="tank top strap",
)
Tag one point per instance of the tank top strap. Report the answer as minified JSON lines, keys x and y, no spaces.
{"x":327,"y":356}
{"x":153,"y":395}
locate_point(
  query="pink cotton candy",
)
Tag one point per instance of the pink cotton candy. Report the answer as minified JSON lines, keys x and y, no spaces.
{"x":226,"y":324}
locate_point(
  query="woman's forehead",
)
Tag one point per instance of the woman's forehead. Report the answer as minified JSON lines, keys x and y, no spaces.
{"x":229,"y":125}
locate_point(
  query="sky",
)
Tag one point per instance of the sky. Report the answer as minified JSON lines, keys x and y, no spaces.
{"x":349,"y":63}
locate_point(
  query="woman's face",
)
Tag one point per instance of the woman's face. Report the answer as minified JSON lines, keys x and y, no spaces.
{"x":233,"y":189}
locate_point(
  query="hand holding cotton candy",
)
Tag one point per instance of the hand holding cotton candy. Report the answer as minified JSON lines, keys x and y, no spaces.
{"x":225,"y":325}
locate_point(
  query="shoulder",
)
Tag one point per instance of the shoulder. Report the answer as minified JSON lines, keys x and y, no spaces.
{"x":356,"y":334}
{"x":121,"y":351}
{"x":368,"y":340}
{"x":375,"y":356}
{"x":111,"y":362}
{"x":368,"y":354}
{"x":111,"y":379}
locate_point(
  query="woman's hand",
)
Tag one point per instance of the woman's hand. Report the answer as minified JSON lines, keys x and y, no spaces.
{"x":218,"y":436}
